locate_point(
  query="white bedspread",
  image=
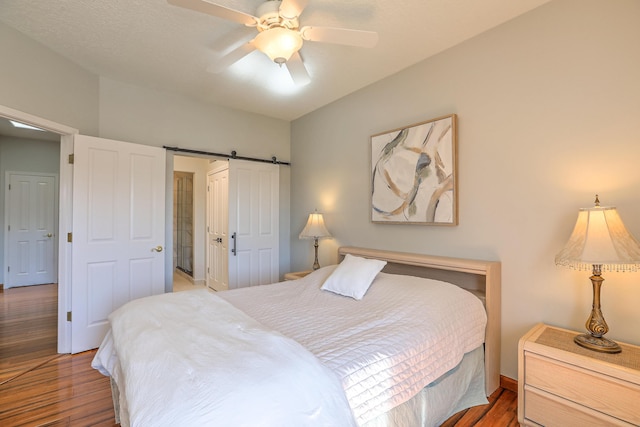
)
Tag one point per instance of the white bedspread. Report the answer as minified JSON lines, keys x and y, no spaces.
{"x":405,"y":333}
{"x":192,"y":359}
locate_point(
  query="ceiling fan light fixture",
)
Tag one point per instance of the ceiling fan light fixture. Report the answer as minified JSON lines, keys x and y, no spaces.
{"x":278,"y":43}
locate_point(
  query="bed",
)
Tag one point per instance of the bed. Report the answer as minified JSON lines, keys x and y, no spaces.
{"x":381,"y":339}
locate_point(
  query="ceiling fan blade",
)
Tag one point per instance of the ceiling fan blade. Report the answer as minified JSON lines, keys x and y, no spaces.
{"x":232,"y":57}
{"x":291,"y":9}
{"x":216,"y":10}
{"x":233,"y":39}
{"x":343,"y":36}
{"x":297,"y":70}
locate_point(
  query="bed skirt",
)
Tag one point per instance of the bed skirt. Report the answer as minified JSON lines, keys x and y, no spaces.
{"x":460,"y":388}
{"x":115,"y":395}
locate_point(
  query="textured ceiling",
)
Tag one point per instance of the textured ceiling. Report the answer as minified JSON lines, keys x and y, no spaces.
{"x":153,"y":44}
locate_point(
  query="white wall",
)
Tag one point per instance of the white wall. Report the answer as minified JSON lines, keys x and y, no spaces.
{"x":152,"y":117}
{"x":548,"y":107}
{"x":35,"y":80}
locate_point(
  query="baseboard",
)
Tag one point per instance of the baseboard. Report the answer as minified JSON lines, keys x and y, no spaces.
{"x":508,"y":384}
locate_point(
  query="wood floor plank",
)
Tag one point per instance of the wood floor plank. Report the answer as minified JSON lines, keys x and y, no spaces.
{"x":66,"y":388}
{"x":28,"y":328}
{"x":471,"y":416}
{"x":503,"y":413}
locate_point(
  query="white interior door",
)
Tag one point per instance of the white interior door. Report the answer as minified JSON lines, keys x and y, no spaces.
{"x":217,"y":228}
{"x":118,"y":231}
{"x":253,"y":223}
{"x":31,"y":204}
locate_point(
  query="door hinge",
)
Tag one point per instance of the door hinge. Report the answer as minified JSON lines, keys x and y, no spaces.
{"x":71,"y":158}
{"x":8,"y":269}
{"x":9,"y":227}
{"x":68,"y":316}
{"x":69,"y":237}
{"x":9,"y":187}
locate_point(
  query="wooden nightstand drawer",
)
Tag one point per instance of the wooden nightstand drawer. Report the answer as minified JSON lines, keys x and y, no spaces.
{"x":563,"y":384}
{"x":548,"y":410}
{"x":600,"y":392}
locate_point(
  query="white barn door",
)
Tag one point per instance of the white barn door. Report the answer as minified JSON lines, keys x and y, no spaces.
{"x":253,"y":223}
{"x":118,"y":232}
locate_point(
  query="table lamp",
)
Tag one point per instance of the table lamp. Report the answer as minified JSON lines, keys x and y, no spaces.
{"x":315,"y":229}
{"x":599,"y":241}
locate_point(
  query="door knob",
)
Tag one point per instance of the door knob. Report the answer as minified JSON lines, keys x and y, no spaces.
{"x":219,"y":240}
{"x":47,"y":235}
{"x":157,"y":249}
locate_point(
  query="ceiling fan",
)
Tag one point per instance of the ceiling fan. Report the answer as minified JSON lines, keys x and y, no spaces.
{"x":279,"y":36}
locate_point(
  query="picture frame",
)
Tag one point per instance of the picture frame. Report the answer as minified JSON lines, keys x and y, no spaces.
{"x":414,"y":174}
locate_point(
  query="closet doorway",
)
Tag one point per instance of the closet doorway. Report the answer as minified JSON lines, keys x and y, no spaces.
{"x":188,"y":229}
{"x":183,"y":222}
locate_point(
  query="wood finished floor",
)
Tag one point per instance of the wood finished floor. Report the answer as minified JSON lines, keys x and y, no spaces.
{"x":39,"y":387}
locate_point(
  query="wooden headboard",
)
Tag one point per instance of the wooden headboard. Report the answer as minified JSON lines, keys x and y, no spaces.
{"x":480,"y":277}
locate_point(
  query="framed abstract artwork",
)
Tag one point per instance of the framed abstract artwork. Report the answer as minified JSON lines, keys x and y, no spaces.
{"x":414,"y":174}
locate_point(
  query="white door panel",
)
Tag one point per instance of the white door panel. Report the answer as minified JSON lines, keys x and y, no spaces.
{"x":118,"y":231}
{"x":31,"y":204}
{"x":217,"y":229}
{"x":266,"y":260}
{"x":253,"y":217}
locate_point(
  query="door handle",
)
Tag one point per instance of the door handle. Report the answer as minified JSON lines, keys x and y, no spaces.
{"x":219,"y":240}
{"x":157,"y":249}
{"x":235,"y":241}
{"x":47,"y":235}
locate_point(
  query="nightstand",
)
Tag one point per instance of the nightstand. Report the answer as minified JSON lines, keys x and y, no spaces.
{"x":563,"y":384}
{"x":296,"y":275}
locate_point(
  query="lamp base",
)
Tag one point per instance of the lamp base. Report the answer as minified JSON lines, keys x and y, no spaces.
{"x":316,"y":264}
{"x":601,"y":344}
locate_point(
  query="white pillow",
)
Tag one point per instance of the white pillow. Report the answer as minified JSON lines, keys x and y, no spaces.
{"x":353,"y":276}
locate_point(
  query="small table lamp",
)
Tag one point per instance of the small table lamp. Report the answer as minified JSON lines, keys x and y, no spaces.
{"x":315,"y":229}
{"x":599,"y":241}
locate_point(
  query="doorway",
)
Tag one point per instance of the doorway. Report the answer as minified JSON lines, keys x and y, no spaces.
{"x":188,"y":226}
{"x":59,"y":139}
{"x":29,"y":167}
{"x":183,"y":222}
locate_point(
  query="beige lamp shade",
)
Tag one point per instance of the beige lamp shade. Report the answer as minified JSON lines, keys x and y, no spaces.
{"x":600,"y":238}
{"x":315,"y":228}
